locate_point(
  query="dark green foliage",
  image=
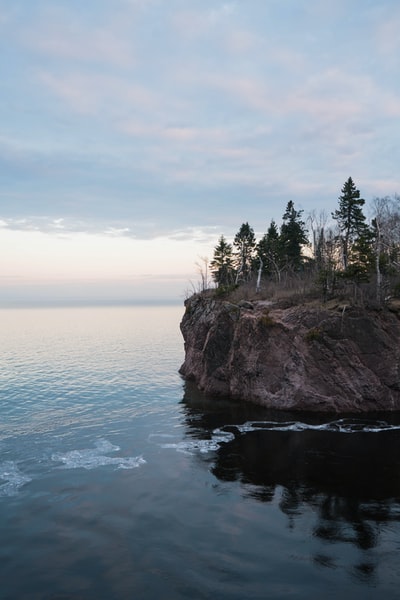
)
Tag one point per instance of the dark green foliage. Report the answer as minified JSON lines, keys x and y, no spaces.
{"x":222,"y":264}
{"x":293,"y":237}
{"x":356,"y":238}
{"x":279,"y":265}
{"x":244,"y":244}
{"x":350,"y":219}
{"x":269,"y":250}
{"x":361,"y":257}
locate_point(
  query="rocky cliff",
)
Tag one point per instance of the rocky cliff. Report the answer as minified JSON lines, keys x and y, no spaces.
{"x":305,"y":357}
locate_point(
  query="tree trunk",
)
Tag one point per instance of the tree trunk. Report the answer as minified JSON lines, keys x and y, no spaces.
{"x":260,"y":268}
{"x":377,"y":265}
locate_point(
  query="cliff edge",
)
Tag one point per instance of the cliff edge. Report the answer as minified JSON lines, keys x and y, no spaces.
{"x":343,"y":359}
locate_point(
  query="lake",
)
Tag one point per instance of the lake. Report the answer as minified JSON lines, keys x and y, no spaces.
{"x":120,"y":481}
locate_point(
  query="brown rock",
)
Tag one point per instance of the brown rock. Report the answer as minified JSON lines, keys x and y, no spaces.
{"x":299,"y":358}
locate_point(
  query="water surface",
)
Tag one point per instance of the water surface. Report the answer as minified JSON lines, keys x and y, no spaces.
{"x":118,"y":480}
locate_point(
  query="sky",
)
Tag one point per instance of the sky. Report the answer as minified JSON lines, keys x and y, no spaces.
{"x":133,"y":133}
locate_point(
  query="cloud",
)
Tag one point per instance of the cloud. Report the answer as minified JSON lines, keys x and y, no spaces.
{"x":387,"y":39}
{"x":139,"y":3}
{"x":3,"y":18}
{"x":67,"y":228}
{"x":60,"y":33}
{"x":216,"y":15}
{"x":188,"y":135}
{"x":332,"y":94}
{"x":98,"y":95}
{"x":146,"y":117}
{"x":239,"y":42}
{"x":191,"y":23}
{"x":76,"y":44}
{"x":87,"y":258}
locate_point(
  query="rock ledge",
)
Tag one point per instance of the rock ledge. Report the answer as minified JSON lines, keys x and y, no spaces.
{"x":300,"y":358}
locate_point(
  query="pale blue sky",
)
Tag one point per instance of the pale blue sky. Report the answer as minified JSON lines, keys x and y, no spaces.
{"x":124,"y":121}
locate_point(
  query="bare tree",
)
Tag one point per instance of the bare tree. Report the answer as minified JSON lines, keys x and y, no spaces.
{"x":317,"y":224}
{"x":386,"y":222}
{"x":203,"y":270}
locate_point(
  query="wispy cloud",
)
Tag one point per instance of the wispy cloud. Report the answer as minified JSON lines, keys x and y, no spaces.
{"x":147,"y":117}
{"x":98,"y":95}
{"x":73,"y":42}
{"x":198,"y":22}
{"x":387,"y":38}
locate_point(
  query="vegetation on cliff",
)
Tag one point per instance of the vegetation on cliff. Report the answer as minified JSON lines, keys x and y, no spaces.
{"x":348,"y":257}
{"x":294,"y":320}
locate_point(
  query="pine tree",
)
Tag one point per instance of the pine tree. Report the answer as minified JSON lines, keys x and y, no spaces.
{"x":350,"y":219}
{"x":269,"y":250}
{"x":244,"y":244}
{"x":222,"y":264}
{"x":293,"y":237}
{"x":361,"y":257}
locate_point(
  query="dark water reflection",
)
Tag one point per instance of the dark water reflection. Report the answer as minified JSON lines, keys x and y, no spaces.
{"x":346,"y":472}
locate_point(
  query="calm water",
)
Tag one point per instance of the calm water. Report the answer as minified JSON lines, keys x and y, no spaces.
{"x":119,"y":481}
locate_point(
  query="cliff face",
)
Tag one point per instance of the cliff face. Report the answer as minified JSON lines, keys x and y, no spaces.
{"x":300,"y":358}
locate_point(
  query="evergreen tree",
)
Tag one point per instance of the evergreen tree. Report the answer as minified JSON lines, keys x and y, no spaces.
{"x":269,"y":250}
{"x":244,"y":244}
{"x":350,"y":219}
{"x":361,"y":257}
{"x":293,"y":237}
{"x":222,"y":264}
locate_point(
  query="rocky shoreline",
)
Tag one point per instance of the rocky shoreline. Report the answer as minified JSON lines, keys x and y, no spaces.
{"x":306,"y":357}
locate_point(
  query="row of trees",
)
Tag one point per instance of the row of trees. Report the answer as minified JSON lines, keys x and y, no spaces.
{"x":347,"y":249}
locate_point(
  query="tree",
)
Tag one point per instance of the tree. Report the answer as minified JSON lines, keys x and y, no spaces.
{"x":326,"y":254}
{"x":244,"y":244}
{"x":222,"y":264}
{"x":203,"y":268}
{"x":387,"y":222}
{"x":269,"y":251}
{"x":350,"y":219}
{"x":361,"y":257}
{"x":386,"y":227}
{"x":293,"y":237}
{"x":317,"y":223}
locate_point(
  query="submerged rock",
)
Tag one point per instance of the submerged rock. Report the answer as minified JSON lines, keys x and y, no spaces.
{"x":299,"y":358}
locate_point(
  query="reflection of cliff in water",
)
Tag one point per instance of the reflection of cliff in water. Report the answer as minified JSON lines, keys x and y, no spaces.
{"x":346,"y":471}
{"x":355,"y":465}
{"x":352,"y":481}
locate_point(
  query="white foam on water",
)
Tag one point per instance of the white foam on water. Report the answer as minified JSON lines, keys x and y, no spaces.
{"x":223,"y":435}
{"x":13,"y":478}
{"x":340,"y":426}
{"x":193,"y":446}
{"x":91,"y":458}
{"x":196,"y":446}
